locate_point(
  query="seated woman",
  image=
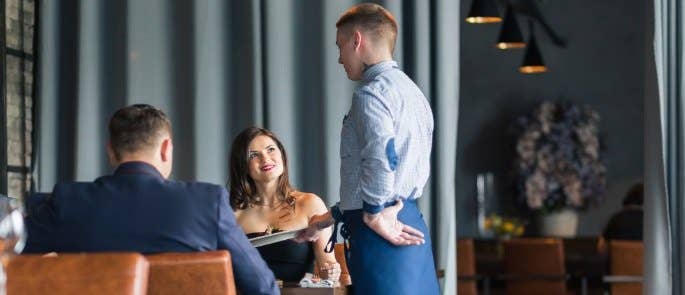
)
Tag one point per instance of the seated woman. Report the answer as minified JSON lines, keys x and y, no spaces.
{"x":264,"y":202}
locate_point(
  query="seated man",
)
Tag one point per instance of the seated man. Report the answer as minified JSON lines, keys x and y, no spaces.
{"x":138,"y":209}
{"x":627,"y":223}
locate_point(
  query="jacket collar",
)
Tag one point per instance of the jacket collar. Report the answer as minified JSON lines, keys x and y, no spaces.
{"x":377,"y":69}
{"x":136,"y":167}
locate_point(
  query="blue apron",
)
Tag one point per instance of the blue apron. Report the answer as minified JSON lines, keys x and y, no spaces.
{"x":378,"y":267}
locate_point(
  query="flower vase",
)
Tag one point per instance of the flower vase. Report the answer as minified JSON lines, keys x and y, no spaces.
{"x":561,"y":224}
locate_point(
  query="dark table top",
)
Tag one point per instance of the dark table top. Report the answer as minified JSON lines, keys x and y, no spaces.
{"x":295,"y":289}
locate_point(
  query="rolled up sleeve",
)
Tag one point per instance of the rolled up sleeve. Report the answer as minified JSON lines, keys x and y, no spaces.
{"x":375,"y":130}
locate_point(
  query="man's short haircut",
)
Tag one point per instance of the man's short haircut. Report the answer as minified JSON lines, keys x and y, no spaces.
{"x":370,"y":18}
{"x":635,"y":195}
{"x":136,"y":128}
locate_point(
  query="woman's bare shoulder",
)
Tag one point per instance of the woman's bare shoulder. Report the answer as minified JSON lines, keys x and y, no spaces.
{"x":305,"y":197}
{"x":310,"y":202}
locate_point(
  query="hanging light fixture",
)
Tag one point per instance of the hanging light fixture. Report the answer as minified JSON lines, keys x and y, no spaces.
{"x":510,"y":35}
{"x":483,"y":11}
{"x":532,"y":60}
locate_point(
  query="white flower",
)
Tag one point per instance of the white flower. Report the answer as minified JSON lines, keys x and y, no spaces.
{"x":536,"y":191}
{"x":573,"y":190}
{"x":558,"y":148}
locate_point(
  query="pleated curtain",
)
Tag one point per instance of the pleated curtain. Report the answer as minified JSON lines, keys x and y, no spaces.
{"x":216,"y":67}
{"x":665,"y":152}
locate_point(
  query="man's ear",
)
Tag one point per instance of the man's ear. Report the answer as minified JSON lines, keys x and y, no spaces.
{"x":357,"y":39}
{"x":110,"y":154}
{"x":166,"y":149}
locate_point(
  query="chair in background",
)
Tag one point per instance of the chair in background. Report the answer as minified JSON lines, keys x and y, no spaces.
{"x":466,"y":268}
{"x":92,"y":273}
{"x":625,"y":259}
{"x":345,"y":278}
{"x":584,"y":246}
{"x":191,"y":273}
{"x":534,"y":266}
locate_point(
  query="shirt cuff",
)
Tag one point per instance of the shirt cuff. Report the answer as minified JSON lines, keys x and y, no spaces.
{"x":375,"y":209}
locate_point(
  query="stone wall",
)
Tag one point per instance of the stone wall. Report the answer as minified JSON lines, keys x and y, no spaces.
{"x":19,"y":30}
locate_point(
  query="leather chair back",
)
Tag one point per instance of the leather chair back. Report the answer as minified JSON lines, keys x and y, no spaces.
{"x":345,"y":278}
{"x":191,"y":273}
{"x":626,"y":259}
{"x":91,"y":273}
{"x":531,"y":258}
{"x":466,"y":266}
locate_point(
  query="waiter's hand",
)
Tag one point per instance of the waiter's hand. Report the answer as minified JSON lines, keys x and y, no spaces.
{"x":316,"y":224}
{"x":386,"y":224}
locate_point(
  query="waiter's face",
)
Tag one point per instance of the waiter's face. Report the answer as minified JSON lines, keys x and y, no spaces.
{"x":348,"y":47}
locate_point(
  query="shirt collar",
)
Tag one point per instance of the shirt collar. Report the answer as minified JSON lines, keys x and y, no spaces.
{"x":378,"y":68}
{"x":136,"y":167}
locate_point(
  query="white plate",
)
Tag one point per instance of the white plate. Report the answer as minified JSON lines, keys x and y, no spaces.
{"x":275,"y":238}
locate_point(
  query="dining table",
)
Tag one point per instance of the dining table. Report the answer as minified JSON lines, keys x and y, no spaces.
{"x":294,"y":289}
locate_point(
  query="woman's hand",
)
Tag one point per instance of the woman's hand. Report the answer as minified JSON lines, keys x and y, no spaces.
{"x":330,"y":271}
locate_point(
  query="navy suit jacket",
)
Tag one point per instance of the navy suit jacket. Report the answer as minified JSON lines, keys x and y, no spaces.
{"x":136,"y":209}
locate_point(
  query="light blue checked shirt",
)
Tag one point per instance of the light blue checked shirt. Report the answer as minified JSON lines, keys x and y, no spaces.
{"x":386,"y":140}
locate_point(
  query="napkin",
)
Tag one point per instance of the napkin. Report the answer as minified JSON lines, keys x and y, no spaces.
{"x":310,"y":281}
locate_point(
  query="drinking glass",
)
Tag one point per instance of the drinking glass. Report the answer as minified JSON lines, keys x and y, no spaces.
{"x":484,"y":194}
{"x":12,"y":234}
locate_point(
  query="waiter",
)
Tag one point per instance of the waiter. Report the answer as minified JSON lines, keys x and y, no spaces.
{"x":385,"y":163}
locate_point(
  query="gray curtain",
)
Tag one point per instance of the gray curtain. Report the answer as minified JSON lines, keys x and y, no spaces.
{"x":217,"y":67}
{"x":665,"y":152}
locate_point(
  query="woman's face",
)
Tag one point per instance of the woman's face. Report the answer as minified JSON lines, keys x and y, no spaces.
{"x":264,"y":160}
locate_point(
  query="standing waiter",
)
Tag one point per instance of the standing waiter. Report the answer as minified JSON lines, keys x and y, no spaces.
{"x":385,"y":162}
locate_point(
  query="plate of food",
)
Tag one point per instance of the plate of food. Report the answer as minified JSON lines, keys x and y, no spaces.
{"x":274,"y":236}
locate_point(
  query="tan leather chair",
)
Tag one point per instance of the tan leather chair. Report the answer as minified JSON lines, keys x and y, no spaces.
{"x":625,"y":258}
{"x":466,"y":268}
{"x":191,"y":273}
{"x":92,"y":273}
{"x":339,"y":251}
{"x":535,"y":266}
{"x":345,"y":278}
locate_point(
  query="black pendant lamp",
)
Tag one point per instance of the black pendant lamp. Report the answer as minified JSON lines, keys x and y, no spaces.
{"x":510,"y":36}
{"x":482,"y":12}
{"x":532,"y":61}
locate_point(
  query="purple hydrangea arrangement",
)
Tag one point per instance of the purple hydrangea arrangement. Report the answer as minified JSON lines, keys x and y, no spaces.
{"x":559,"y":161}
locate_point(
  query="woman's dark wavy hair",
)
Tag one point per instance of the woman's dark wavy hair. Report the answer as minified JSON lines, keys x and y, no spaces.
{"x":242,"y":187}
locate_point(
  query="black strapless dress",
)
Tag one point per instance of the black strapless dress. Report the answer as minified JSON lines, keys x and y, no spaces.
{"x":288,"y":260}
